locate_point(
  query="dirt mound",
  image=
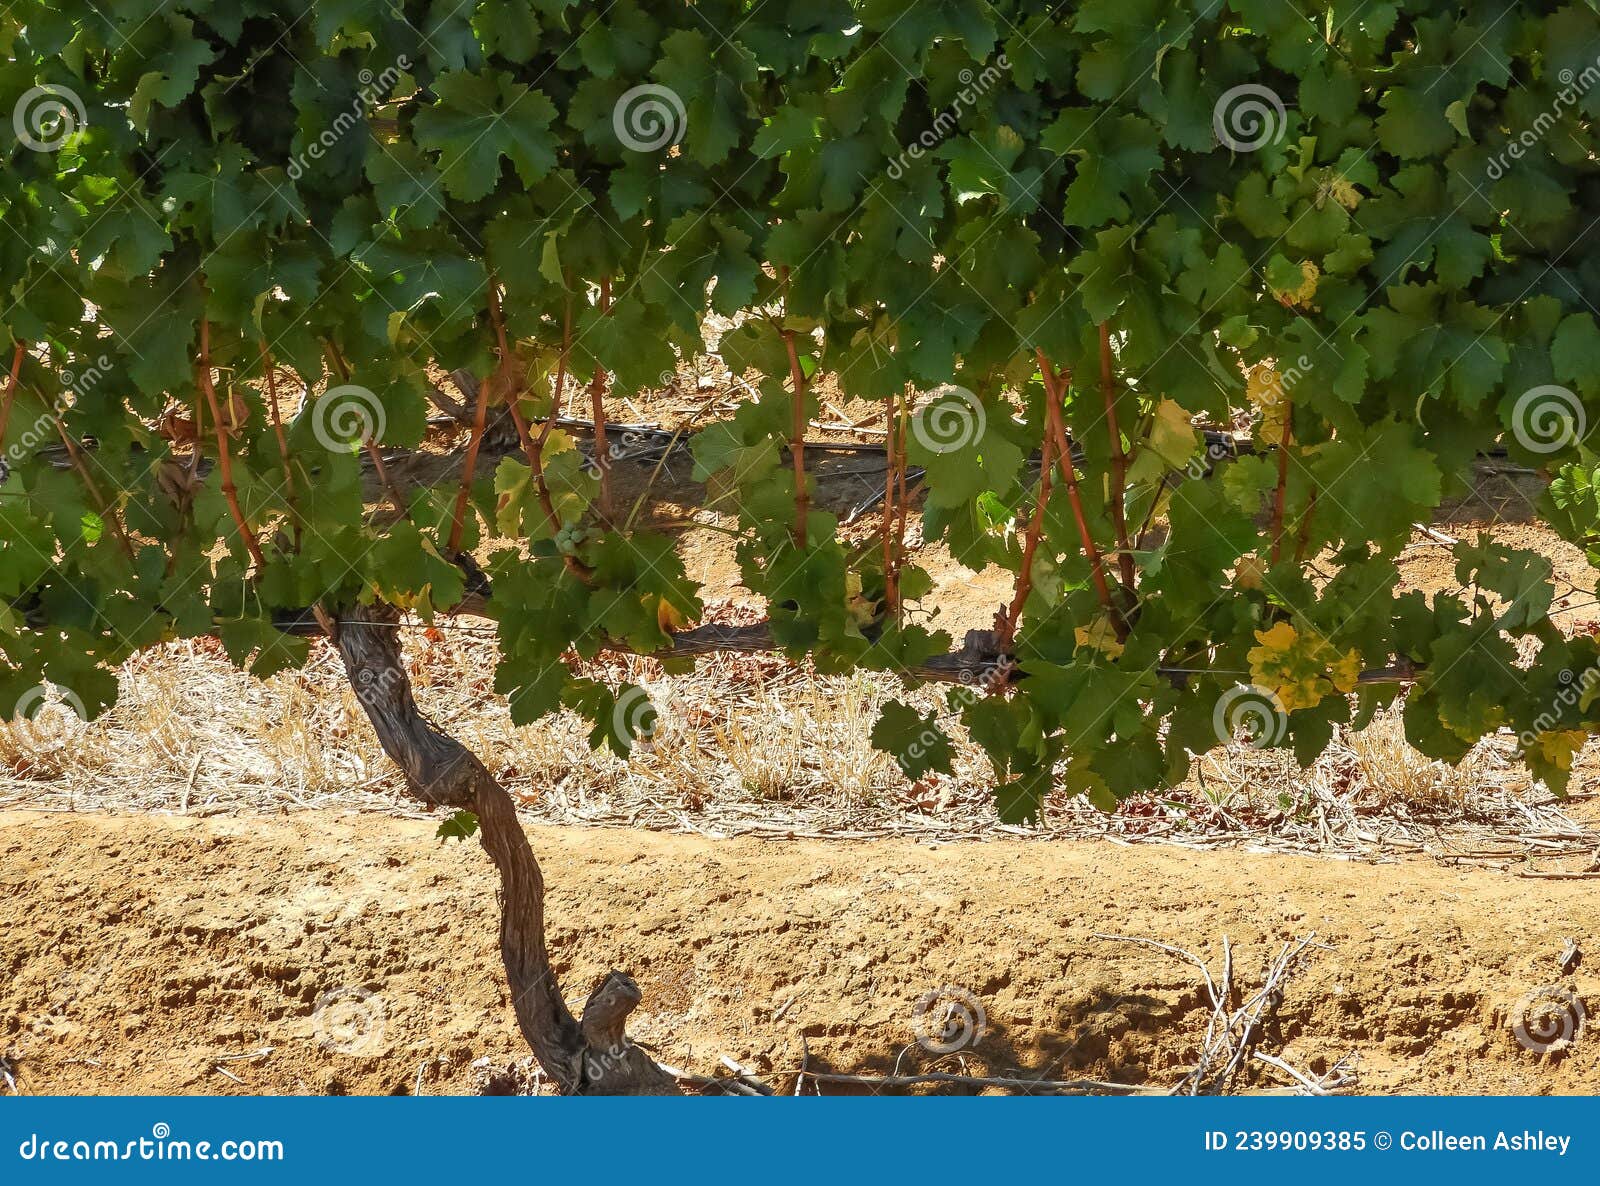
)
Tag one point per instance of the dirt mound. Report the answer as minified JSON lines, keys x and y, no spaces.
{"x":157,"y":954}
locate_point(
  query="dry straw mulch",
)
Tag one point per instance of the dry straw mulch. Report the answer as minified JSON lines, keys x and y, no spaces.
{"x":746,"y":744}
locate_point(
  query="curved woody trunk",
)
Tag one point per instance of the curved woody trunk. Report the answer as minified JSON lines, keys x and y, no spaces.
{"x":588,"y":1057}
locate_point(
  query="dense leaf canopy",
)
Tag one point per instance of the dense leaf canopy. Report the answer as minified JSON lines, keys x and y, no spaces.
{"x":1084,"y":228}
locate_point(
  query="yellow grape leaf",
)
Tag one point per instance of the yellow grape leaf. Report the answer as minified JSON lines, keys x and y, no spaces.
{"x":1588,"y":688}
{"x":1274,"y":428}
{"x":1301,"y":669}
{"x":1559,"y":746}
{"x":669,"y":617}
{"x":1099,"y":635}
{"x":1302,"y":295}
{"x":862,"y":610}
{"x":418,"y":601}
{"x":1263,"y":387}
{"x":1346,"y":194}
{"x":1170,"y":443}
{"x":1345,"y":671}
{"x":511,"y":481}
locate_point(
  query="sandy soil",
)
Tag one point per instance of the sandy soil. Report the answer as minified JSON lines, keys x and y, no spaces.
{"x":146,"y":954}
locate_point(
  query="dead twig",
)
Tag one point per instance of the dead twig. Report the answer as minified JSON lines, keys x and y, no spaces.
{"x":1205,"y":972}
{"x":248,"y":1055}
{"x":746,"y":1077}
{"x":1311,"y":1085}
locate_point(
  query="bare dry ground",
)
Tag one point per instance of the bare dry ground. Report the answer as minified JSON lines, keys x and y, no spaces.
{"x":161,"y":954}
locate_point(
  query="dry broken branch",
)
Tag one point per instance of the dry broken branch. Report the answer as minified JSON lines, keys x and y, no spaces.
{"x":1232,"y":1034}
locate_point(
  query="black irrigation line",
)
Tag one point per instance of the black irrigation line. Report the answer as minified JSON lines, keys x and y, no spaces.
{"x":646,"y":442}
{"x":979,"y":662}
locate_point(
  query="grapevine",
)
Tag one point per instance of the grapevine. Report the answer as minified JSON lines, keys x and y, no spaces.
{"x":1054,"y":242}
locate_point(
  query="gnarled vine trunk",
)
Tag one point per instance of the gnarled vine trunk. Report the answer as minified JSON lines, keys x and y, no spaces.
{"x":588,"y":1057}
